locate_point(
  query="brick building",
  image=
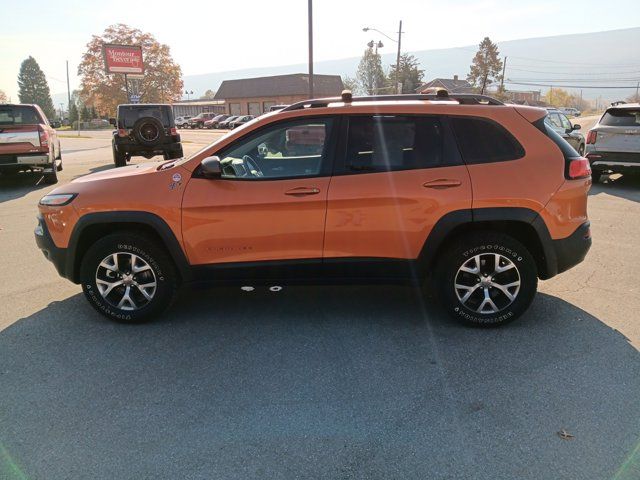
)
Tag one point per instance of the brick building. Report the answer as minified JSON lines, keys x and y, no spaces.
{"x":254,"y":96}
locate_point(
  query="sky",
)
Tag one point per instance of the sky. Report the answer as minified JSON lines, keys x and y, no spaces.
{"x":213,"y":36}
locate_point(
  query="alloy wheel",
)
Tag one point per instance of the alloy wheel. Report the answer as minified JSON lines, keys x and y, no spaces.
{"x":126,"y":281}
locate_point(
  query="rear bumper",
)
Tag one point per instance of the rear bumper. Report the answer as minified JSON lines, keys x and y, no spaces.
{"x":613,"y":160}
{"x":57,"y":256}
{"x":572,"y":250}
{"x":136,"y":149}
{"x":21,"y":160}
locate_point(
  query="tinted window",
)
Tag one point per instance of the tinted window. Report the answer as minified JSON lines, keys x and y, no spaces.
{"x":130,"y":115}
{"x":19,"y":115}
{"x":621,"y":118}
{"x":383,"y":143}
{"x":287,"y":150}
{"x":483,"y":141}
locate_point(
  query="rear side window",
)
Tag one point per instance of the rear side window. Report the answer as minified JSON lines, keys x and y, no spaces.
{"x":382,"y":143}
{"x":483,"y":141}
{"x":128,"y":116}
{"x":19,"y":115}
{"x":619,"y":117}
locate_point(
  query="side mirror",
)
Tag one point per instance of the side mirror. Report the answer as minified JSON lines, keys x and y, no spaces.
{"x":112,"y":121}
{"x":576,"y":126}
{"x":210,"y":167}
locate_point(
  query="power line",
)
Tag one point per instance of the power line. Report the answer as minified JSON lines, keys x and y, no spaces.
{"x":575,"y":73}
{"x":568,"y":86}
{"x":564,"y":62}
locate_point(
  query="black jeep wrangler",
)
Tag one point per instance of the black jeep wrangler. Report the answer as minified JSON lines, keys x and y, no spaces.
{"x":145,"y":130}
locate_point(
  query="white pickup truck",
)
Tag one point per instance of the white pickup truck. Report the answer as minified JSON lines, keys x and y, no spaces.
{"x":28,"y":142}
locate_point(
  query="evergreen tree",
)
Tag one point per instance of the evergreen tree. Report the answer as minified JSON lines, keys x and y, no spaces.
{"x":486,"y":67}
{"x":33,"y":87}
{"x":410,"y":75}
{"x":73,"y":113}
{"x":370,"y":74}
{"x":84,"y":114}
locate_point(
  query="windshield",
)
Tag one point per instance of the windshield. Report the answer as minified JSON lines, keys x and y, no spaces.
{"x":19,"y":115}
{"x":621,"y":117}
{"x":128,"y":116}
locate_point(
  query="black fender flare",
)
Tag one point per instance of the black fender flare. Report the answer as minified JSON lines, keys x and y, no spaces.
{"x":147,"y":219}
{"x":452,"y":221}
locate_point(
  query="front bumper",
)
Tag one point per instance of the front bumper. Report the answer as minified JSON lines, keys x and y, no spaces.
{"x":57,"y":256}
{"x":572,"y":250}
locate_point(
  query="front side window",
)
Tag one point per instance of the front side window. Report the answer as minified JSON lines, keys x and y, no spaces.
{"x":484,"y":141}
{"x":287,"y":150}
{"x":382,"y":143}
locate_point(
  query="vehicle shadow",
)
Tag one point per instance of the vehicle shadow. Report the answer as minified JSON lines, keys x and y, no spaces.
{"x":625,"y":186}
{"x":20,"y":184}
{"x":349,"y":382}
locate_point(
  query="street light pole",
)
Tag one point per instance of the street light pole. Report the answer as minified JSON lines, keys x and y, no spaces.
{"x":398,"y":86}
{"x":310,"y":17}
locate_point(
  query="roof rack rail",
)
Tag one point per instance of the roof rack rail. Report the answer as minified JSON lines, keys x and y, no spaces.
{"x":461,"y":98}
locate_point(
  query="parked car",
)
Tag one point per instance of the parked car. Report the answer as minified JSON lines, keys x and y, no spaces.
{"x":471,"y":197}
{"x":146,"y":130}
{"x":573,"y":112}
{"x":613,"y":144}
{"x":29,"y":142}
{"x":275,"y":108}
{"x":563,"y":126}
{"x":213,"y":123}
{"x":240,"y":121}
{"x":225,"y":123}
{"x":198,"y":120}
{"x":183,"y":121}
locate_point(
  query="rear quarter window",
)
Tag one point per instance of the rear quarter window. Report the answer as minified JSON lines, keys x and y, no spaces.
{"x":485,"y":141}
{"x":619,"y":117}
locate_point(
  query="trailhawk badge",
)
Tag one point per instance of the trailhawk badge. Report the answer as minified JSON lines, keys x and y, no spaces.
{"x":177,"y":181}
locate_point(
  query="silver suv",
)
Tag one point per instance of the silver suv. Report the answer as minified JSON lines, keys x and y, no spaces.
{"x":613,"y":144}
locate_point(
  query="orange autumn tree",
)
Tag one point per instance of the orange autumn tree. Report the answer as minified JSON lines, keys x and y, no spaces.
{"x":162,"y":80}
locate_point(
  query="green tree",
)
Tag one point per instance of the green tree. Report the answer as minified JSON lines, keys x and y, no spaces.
{"x":33,"y":87}
{"x":208,"y":95}
{"x":410,"y":75}
{"x":84,"y":114}
{"x":486,"y":67}
{"x":351,"y":83}
{"x":73,"y":113}
{"x":370,"y":75}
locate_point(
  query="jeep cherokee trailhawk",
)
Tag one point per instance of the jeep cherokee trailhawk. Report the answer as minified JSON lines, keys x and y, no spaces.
{"x":480,"y":198}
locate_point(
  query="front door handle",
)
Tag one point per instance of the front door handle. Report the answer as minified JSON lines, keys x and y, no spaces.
{"x":442,"y":183}
{"x":302,"y":191}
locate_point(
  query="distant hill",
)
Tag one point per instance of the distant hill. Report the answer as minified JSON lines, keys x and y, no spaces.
{"x":583,"y":56}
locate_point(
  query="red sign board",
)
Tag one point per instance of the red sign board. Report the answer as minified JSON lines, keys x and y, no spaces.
{"x":123,"y":59}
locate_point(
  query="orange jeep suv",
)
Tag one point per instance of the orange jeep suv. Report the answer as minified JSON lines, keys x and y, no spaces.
{"x":478,"y":197}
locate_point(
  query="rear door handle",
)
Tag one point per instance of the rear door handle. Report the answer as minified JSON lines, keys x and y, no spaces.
{"x":302,"y":191}
{"x":442,"y":183}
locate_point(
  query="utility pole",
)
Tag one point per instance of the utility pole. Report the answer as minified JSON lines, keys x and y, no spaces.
{"x":637,"y":88}
{"x":504,"y":68}
{"x":68,"y":89}
{"x":310,"y":16}
{"x":398,"y":85}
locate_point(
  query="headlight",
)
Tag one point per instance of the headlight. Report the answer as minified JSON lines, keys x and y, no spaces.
{"x":58,"y":199}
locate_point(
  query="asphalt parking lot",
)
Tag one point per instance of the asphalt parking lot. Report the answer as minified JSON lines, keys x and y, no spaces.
{"x":331,"y":382}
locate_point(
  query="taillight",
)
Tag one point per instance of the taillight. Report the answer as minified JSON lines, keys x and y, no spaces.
{"x":591,"y":137}
{"x":122,"y":132}
{"x":579,"y":168}
{"x":44,"y":137}
{"x":174,"y":131}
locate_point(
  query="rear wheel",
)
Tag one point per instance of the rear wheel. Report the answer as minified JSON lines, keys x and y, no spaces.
{"x":487,"y":279}
{"x":596,"y":175}
{"x":51,"y":177}
{"x":128,"y":277}
{"x":119,"y":159}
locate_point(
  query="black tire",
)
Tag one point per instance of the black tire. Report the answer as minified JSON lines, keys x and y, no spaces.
{"x":582,"y":149}
{"x":465,"y":252}
{"x":161,"y":269}
{"x":51,"y":178}
{"x":119,"y":159}
{"x":148,"y":131}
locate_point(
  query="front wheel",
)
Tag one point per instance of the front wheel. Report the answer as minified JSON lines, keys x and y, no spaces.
{"x":128,"y":277}
{"x":487,"y":279}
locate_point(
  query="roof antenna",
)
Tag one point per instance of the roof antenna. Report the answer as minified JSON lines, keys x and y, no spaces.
{"x":347,"y":96}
